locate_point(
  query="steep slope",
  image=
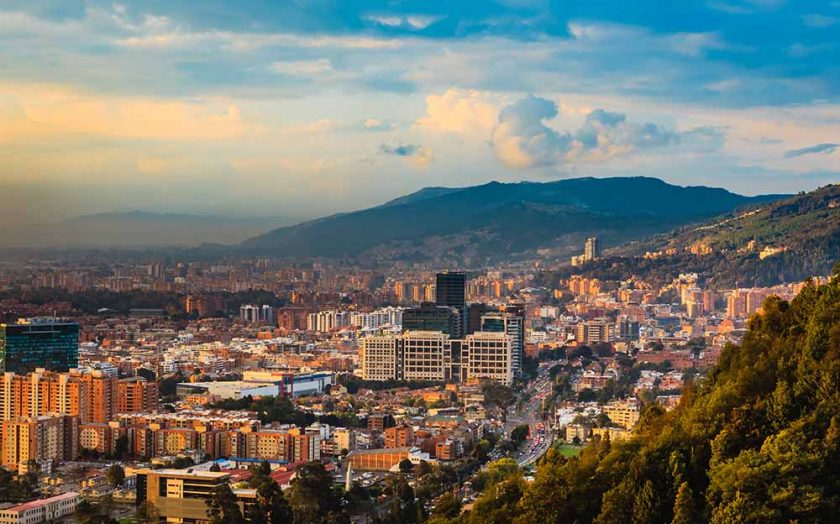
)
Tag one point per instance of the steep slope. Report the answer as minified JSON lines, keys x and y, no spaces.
{"x":502,"y":220}
{"x":783,"y":241}
{"x":757,"y":441}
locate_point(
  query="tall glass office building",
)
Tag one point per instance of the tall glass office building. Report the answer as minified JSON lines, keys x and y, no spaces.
{"x":451,"y":289}
{"x":47,"y":344}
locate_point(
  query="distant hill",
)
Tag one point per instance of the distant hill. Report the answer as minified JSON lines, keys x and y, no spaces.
{"x":502,"y":221}
{"x":137,"y":229}
{"x":782,"y":241}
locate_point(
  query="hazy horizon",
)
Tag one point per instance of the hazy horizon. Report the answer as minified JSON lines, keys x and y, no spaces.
{"x":305,"y":109}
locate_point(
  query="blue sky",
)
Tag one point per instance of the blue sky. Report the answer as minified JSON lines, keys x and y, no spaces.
{"x":304,"y":108}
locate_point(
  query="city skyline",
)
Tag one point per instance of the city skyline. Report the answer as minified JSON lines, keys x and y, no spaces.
{"x":310,"y":108}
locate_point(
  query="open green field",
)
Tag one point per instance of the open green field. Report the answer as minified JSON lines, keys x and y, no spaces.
{"x":568,"y":450}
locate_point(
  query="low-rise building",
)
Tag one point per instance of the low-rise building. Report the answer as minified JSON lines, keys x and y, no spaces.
{"x":42,"y":510}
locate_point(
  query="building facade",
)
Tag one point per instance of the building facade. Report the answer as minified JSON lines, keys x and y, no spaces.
{"x":33,"y":344}
{"x":432,"y":355}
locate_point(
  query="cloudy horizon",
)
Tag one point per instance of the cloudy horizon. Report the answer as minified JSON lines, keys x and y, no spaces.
{"x":314,"y":107}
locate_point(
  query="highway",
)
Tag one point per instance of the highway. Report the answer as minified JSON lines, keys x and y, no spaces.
{"x":529,"y":413}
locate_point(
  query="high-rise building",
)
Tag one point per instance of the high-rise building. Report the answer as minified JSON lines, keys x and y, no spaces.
{"x":47,"y":437}
{"x":474,"y":313}
{"x":399,"y":437}
{"x":451,"y":289}
{"x":102,"y":395}
{"x":137,"y":395}
{"x":431,"y":317}
{"x":510,"y":320}
{"x":628,"y":329}
{"x":595,"y":331}
{"x":592,"y":249}
{"x":262,"y":315}
{"x":32,"y":344}
{"x":432,"y":355}
{"x":41,"y":392}
{"x":93,"y":396}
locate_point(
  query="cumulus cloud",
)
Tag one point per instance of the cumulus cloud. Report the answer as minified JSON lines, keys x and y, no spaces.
{"x":826,"y":149}
{"x":522,"y":139}
{"x":459,"y":111}
{"x":419,"y":155}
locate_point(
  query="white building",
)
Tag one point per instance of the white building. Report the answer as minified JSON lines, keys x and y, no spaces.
{"x":432,"y":355}
{"x":43,"y":510}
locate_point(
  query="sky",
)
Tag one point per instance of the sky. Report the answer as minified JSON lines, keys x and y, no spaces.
{"x":303,"y":108}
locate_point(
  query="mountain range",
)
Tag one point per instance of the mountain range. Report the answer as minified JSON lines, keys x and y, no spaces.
{"x":137,"y":229}
{"x":781,"y":241}
{"x":498,"y":221}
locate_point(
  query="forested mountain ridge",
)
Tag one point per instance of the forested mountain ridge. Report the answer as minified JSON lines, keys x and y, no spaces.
{"x":501,"y":221}
{"x":783,"y":241}
{"x":757,"y":441}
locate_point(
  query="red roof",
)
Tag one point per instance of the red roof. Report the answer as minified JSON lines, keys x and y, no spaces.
{"x":238,"y":475}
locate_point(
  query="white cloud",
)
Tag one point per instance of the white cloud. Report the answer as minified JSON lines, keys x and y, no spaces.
{"x":375,"y":124}
{"x":412,"y":22}
{"x":522,"y":139}
{"x":460,"y":111}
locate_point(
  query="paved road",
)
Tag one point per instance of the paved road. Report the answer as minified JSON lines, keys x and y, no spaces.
{"x":529,"y":413}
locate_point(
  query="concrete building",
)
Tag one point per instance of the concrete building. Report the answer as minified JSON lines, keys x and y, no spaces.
{"x":43,"y":510}
{"x":432,"y":355}
{"x":592,"y":249}
{"x":624,"y":413}
{"x":595,"y":332}
{"x":39,"y":438}
{"x":510,"y":320}
{"x":137,"y":395}
{"x":180,"y":495}
{"x":399,"y":437}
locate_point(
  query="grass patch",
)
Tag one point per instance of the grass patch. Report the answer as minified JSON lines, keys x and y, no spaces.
{"x":567,"y":450}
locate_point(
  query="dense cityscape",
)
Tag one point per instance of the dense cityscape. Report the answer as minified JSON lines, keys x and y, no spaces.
{"x":413,"y":262}
{"x":250,"y":374}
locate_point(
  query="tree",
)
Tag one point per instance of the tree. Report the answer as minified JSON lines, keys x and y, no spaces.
{"x":182,"y":462}
{"x":222,"y":506}
{"x":116,"y":475}
{"x":121,"y":447}
{"x":499,"y":504}
{"x":311,"y":494}
{"x":423,"y":469}
{"x":271,"y":506}
{"x":147,"y":513}
{"x":684,"y":512}
{"x":448,"y":506}
{"x":402,"y":506}
{"x":519,"y":434}
{"x":406,"y":466}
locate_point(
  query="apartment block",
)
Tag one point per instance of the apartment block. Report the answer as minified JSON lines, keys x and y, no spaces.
{"x":39,"y":438}
{"x":433,"y":355}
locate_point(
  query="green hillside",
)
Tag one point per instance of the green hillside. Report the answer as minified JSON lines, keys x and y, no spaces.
{"x":498,"y":221}
{"x":782,"y":241}
{"x":758,"y":441}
